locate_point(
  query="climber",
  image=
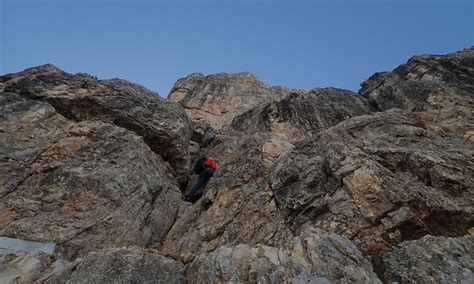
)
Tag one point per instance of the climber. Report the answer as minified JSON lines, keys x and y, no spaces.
{"x":205,"y":168}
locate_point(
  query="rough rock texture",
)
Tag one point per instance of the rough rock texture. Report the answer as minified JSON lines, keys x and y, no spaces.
{"x":218,"y":98}
{"x":318,"y":186}
{"x":315,"y":256}
{"x":23,"y":267}
{"x":243,"y":208}
{"x":438,"y":87}
{"x":124,"y":265}
{"x":83,"y":185}
{"x":432,"y":260}
{"x":382,"y":170}
{"x":163,"y":125}
{"x":129,"y":265}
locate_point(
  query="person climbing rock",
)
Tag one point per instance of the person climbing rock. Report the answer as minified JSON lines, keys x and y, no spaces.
{"x":205,"y":168}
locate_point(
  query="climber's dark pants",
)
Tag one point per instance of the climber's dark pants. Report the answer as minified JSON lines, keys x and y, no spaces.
{"x":204,"y":177}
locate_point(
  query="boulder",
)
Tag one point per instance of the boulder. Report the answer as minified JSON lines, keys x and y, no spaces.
{"x":431,"y":260}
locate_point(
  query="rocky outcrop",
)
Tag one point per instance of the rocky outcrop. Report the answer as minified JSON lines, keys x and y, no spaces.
{"x":127,"y":265}
{"x":83,"y":185}
{"x":124,"y":265}
{"x":317,"y":186}
{"x":314,"y":256}
{"x":380,"y":179}
{"x":431,"y":260}
{"x":23,"y":267}
{"x":243,"y":208}
{"x":163,"y":125}
{"x":439,"y":88}
{"x":218,"y":98}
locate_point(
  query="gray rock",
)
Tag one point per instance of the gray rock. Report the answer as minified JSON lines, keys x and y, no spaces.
{"x":218,"y":98}
{"x":431,"y":260}
{"x":162,"y":124}
{"x":127,"y":265}
{"x":83,"y":185}
{"x":246,"y":153}
{"x":113,"y":265}
{"x":438,"y":87}
{"x":300,"y":115}
{"x":22,"y":267}
{"x":379,"y":179}
{"x":314,"y":257}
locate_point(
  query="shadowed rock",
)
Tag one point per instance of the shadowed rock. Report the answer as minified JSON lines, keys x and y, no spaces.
{"x":83,"y":185}
{"x":162,"y":124}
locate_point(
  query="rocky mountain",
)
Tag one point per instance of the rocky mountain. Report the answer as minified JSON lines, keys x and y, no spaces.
{"x":313,"y":186}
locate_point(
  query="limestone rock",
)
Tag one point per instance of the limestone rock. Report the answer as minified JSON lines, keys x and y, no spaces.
{"x":113,"y":265}
{"x":246,"y":153}
{"x":83,"y":185}
{"x":218,"y":98}
{"x":300,"y":115}
{"x":23,"y":267}
{"x":314,"y":257}
{"x":318,"y":186}
{"x":439,"y":87}
{"x":163,"y":125}
{"x":385,"y":167}
{"x":431,"y":260}
{"x":127,"y":265}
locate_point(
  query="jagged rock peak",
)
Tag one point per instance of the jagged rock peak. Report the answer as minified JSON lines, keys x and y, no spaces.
{"x":48,"y":67}
{"x":222,"y":77}
{"x":438,"y":87}
{"x":217,"y":98}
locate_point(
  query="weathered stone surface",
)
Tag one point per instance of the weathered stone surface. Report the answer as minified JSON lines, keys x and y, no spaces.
{"x":127,"y":265}
{"x":438,"y":87}
{"x":380,"y":179}
{"x":302,"y":115}
{"x":218,"y":98}
{"x":83,"y":185}
{"x":22,"y":267}
{"x":113,"y":265}
{"x":162,"y":124}
{"x":314,"y":257}
{"x":431,"y":260}
{"x":319,"y":186}
{"x":243,"y":208}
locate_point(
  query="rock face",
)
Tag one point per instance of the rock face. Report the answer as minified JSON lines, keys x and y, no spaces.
{"x":127,"y":265}
{"x":318,"y":186}
{"x":83,"y":185}
{"x":315,"y":256}
{"x":439,"y":88}
{"x":218,"y":98}
{"x":432,"y":259}
{"x":163,"y":125}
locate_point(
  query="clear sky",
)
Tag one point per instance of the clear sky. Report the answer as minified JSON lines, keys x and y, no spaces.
{"x":300,"y":44}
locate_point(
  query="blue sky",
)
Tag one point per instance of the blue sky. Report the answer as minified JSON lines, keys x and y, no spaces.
{"x":301,"y":44}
